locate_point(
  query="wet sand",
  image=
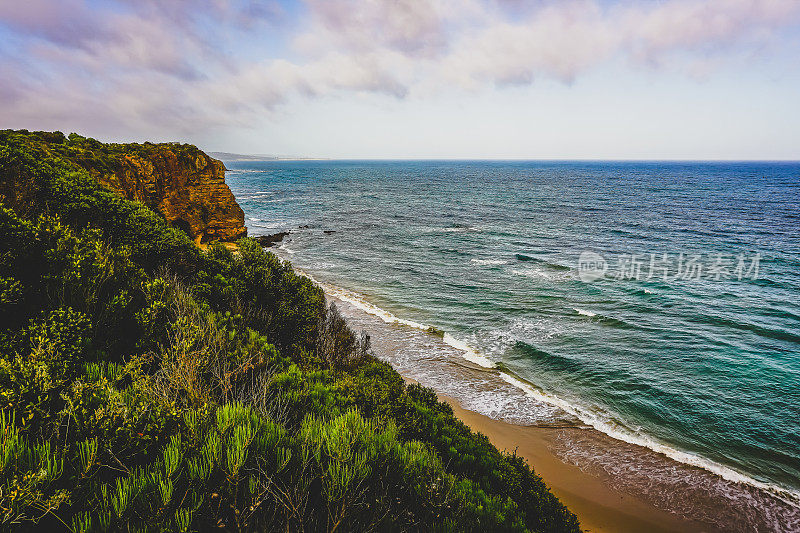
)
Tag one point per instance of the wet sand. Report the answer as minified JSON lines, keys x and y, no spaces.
{"x":598,"y":506}
{"x":611,"y":485}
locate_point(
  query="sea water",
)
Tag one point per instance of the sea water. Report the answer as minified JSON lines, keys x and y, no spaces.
{"x":657,"y":303}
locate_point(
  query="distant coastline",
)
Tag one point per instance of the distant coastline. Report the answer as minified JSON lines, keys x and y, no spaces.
{"x":228,"y":156}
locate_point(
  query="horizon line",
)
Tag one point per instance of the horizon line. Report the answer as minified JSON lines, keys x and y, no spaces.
{"x":247,"y":157}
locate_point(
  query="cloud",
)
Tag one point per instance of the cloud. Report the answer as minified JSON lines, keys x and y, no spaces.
{"x":559,"y":41}
{"x":408,"y":26}
{"x":689,"y":25}
{"x":69,"y":23}
{"x":563,"y":40}
{"x":139,"y":65}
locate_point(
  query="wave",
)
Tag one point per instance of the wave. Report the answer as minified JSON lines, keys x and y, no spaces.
{"x":286,"y":249}
{"x":360,"y":302}
{"x":767,"y":282}
{"x":264,"y":198}
{"x":762,"y":331}
{"x":591,"y":416}
{"x":605,"y":319}
{"x":488,"y":261}
{"x":453,"y":229}
{"x":559,"y":362}
{"x":462,"y":229}
{"x":529,"y":258}
{"x":612,"y":427}
{"x":470,"y":353}
{"x":543,"y":273}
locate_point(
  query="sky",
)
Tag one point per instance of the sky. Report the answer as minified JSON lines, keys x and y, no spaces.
{"x":464,"y":79}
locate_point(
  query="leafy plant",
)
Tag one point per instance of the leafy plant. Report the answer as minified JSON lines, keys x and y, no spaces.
{"x":149,"y":386}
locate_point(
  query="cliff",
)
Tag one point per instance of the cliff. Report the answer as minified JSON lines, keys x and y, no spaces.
{"x":179,"y":181}
{"x":186,"y":186}
{"x":148,"y":386}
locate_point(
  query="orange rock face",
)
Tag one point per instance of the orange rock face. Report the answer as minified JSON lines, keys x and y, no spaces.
{"x":183,"y":184}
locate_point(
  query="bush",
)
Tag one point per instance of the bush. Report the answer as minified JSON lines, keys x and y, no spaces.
{"x":148,"y":386}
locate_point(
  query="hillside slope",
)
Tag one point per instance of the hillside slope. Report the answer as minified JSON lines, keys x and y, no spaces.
{"x":149,"y":386}
{"x":179,"y":181}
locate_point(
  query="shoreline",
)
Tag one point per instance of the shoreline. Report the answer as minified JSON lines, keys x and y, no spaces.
{"x":610,"y":484}
{"x":598,"y":506}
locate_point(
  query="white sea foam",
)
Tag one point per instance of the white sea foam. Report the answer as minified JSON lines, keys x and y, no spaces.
{"x":452,"y":229}
{"x":470,"y":229}
{"x":608,"y":425}
{"x":470,"y":353}
{"x":530,"y":272}
{"x":584,"y":312}
{"x":542,"y":273}
{"x":592,"y":417}
{"x":488,"y":261}
{"x":286,"y":249}
{"x":358,"y":301}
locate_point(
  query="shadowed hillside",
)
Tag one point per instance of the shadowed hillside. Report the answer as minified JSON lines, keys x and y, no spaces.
{"x":149,"y":386}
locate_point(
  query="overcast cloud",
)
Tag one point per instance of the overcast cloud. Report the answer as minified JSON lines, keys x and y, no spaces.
{"x":172,"y":67}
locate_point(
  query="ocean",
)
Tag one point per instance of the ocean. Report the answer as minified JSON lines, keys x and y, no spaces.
{"x":652,"y":307}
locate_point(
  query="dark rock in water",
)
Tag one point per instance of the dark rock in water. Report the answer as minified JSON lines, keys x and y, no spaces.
{"x":523,"y":257}
{"x":304,"y":226}
{"x":329,"y":231}
{"x":433,"y":330}
{"x":269,"y":240}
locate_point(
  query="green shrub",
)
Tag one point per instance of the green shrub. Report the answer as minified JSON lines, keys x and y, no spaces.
{"x":147,"y":386}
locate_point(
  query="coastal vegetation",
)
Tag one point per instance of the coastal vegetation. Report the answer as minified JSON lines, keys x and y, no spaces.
{"x":147,"y":385}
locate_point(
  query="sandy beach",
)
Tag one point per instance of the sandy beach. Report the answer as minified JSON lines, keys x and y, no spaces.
{"x":611,"y":485}
{"x":594,"y":495}
{"x":599,"y":507}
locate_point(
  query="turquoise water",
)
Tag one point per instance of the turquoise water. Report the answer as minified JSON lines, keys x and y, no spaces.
{"x":706,"y":370}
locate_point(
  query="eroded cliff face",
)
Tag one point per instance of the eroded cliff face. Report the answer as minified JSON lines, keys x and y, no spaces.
{"x":183,"y":184}
{"x":179,"y":181}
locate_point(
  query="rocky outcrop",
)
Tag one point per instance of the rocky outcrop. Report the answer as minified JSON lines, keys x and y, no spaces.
{"x":183,"y":184}
{"x":269,"y":240}
{"x":179,"y":181}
